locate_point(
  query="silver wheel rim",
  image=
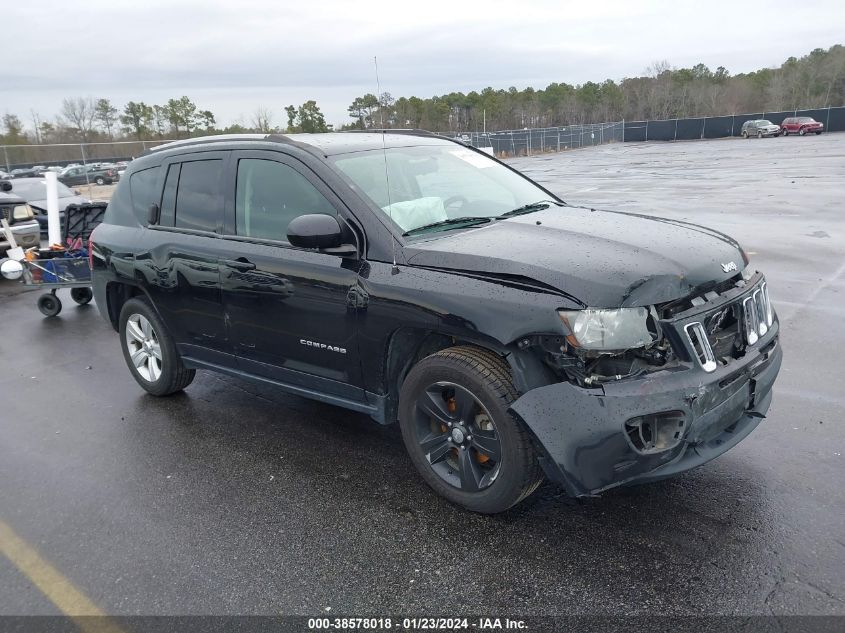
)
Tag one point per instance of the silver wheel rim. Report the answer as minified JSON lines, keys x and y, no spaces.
{"x":144,"y":347}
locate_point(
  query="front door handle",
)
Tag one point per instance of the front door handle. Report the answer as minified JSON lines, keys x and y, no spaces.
{"x":242,"y":264}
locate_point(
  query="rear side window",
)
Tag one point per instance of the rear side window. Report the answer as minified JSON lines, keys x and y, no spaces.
{"x":199,"y":203}
{"x":143,"y":191}
{"x":270,"y":195}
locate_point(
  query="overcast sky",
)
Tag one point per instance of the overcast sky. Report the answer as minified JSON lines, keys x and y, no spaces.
{"x":236,"y":56}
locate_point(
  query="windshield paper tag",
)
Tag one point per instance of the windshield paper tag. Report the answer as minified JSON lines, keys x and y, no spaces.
{"x":476,"y":160}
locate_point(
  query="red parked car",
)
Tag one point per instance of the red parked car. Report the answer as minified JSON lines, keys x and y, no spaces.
{"x":800,"y":125}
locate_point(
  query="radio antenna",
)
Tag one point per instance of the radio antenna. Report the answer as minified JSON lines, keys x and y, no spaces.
{"x":395,"y":269}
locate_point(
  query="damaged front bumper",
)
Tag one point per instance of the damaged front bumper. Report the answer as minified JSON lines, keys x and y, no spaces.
{"x":589,"y":436}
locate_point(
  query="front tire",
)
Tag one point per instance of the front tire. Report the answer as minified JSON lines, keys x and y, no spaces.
{"x":149,"y":350}
{"x":453,"y":413}
{"x":759,"y":135}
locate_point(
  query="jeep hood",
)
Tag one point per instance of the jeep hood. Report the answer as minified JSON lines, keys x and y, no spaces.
{"x":597,"y":258}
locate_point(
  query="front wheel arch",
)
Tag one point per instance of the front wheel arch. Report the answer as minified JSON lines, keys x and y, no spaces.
{"x":486,"y":377}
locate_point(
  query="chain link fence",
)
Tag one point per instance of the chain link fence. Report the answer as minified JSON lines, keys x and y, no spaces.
{"x":524,"y":142}
{"x":528,"y":141}
{"x":725,"y":126}
{"x":63,"y":154}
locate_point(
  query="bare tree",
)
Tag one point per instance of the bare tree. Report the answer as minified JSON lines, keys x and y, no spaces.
{"x":80,"y":113}
{"x":262,"y":120}
{"x":36,"y":124}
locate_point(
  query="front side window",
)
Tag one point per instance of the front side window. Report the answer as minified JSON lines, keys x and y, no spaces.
{"x":435,"y":183}
{"x":269,"y":195}
{"x":199,"y":204}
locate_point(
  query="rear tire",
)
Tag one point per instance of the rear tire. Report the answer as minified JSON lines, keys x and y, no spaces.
{"x":100,"y":180}
{"x":784,"y":132}
{"x":470,"y":389}
{"x":149,"y":350}
{"x":744,"y":134}
{"x":802,"y":132}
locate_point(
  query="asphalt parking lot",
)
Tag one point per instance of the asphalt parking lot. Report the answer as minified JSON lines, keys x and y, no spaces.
{"x":234,"y":498}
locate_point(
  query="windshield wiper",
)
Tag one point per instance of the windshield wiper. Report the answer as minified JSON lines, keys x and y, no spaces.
{"x":451,"y":223}
{"x":530,"y":208}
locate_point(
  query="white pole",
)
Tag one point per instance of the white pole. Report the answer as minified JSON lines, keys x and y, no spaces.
{"x":54,"y":231}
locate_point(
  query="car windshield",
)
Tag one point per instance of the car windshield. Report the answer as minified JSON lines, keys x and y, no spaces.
{"x":437,"y":185}
{"x":37,"y":190}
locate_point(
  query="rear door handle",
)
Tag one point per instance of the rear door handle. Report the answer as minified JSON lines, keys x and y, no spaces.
{"x":241,"y":264}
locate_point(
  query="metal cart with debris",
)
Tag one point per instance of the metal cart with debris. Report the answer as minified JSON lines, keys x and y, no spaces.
{"x":52,"y":270}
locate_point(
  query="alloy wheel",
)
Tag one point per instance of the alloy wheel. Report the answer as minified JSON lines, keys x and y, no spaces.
{"x":144,"y":347}
{"x":458,"y":437}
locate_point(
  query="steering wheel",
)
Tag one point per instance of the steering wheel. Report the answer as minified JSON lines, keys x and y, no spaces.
{"x":454,"y":200}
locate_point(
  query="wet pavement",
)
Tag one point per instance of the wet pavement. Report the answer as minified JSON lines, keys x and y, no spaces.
{"x":236,"y":498}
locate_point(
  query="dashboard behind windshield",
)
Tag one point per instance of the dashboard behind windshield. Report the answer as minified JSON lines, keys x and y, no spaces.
{"x":430,"y":184}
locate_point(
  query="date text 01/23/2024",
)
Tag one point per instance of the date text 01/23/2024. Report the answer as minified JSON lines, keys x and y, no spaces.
{"x":415,"y":624}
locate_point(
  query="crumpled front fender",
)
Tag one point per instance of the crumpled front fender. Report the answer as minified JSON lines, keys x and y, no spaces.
{"x":582,"y":431}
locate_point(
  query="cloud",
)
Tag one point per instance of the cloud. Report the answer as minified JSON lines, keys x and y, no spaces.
{"x":237,"y":56}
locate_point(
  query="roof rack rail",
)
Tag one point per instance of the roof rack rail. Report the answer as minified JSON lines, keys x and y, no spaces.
{"x":202,"y":140}
{"x":408,"y":131}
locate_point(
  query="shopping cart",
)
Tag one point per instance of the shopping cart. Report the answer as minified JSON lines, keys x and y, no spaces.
{"x":51,"y":270}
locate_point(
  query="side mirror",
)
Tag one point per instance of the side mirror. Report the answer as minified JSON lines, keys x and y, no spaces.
{"x":5,"y":185}
{"x":320,"y":231}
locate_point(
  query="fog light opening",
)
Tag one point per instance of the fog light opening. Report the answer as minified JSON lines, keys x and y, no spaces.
{"x":655,"y":432}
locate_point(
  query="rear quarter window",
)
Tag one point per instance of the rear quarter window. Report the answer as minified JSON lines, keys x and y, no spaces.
{"x":144,"y":192}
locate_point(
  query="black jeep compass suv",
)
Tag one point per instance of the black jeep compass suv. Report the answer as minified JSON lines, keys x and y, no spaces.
{"x":418,"y":280}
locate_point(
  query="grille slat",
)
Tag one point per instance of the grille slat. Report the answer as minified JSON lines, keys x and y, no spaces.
{"x":701,"y":344}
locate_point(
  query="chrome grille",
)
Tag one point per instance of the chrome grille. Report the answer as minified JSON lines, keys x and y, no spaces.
{"x":698,"y":338}
{"x":7,"y":214}
{"x":719,"y":335}
{"x":758,"y":315}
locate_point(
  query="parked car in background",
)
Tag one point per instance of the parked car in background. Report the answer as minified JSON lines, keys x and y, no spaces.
{"x":4,"y":175}
{"x":24,"y":172}
{"x":34,"y":191}
{"x":19,"y":215}
{"x":801,"y":125}
{"x":92,"y":175}
{"x":759,"y":128}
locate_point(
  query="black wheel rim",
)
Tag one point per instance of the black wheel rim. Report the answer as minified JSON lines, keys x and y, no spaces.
{"x":457,"y":436}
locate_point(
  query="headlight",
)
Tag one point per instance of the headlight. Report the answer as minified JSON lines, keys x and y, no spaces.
{"x":22,"y":212}
{"x":614,"y":329}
